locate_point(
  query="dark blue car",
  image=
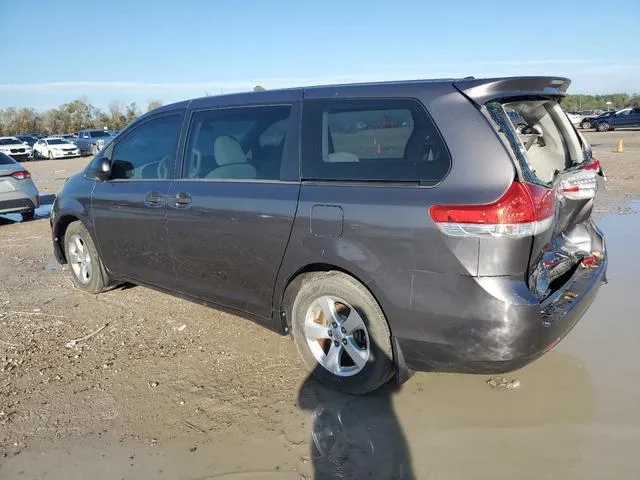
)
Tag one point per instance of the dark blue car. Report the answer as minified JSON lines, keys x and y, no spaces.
{"x":628,"y":117}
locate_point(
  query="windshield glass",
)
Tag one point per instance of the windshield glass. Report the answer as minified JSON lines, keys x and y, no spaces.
{"x":98,"y":134}
{"x":57,"y":141}
{"x":9,"y":141}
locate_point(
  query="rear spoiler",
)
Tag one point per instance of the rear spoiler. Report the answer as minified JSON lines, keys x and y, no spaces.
{"x":482,"y":91}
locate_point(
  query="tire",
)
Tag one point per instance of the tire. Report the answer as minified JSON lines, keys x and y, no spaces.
{"x":28,"y":215}
{"x":353,"y":305}
{"x":603,"y":127}
{"x":50,"y":155}
{"x":79,"y":245}
{"x":585,"y":125}
{"x":94,"y":150}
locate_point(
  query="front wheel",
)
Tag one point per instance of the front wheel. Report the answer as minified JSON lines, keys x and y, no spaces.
{"x":341,"y":333}
{"x":87,"y":271}
{"x":94,"y":150}
{"x":50,"y":155}
{"x":586,"y":124}
{"x":603,"y":127}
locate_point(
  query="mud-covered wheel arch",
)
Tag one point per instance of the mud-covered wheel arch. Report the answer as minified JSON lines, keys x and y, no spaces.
{"x":59,"y":230}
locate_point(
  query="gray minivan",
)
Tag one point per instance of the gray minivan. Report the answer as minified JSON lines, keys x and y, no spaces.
{"x":388,"y":227}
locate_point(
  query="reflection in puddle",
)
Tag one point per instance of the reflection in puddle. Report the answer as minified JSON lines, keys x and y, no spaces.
{"x":355,"y":437}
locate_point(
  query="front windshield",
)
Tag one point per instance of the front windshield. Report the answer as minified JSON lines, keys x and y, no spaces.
{"x":9,"y":141}
{"x":99,"y":134}
{"x":57,"y":141}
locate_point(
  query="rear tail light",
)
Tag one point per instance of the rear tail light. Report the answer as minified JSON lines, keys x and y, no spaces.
{"x":579,"y":185}
{"x":595,"y":165}
{"x":21,"y":175}
{"x":524,"y":210}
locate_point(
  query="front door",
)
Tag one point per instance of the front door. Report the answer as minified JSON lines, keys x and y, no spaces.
{"x":129,"y":209}
{"x":230,"y":215}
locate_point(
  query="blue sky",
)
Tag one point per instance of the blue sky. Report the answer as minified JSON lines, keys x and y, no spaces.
{"x":138,"y":50}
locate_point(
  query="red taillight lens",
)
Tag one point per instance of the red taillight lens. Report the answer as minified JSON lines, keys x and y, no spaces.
{"x":525,"y":209}
{"x":21,"y":175}
{"x":594,"y":165}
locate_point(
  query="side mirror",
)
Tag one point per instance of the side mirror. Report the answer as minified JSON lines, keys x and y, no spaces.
{"x":102,"y":172}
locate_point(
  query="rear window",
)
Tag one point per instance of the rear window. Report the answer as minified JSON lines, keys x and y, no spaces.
{"x":99,"y":134}
{"x":372,"y":140}
{"x":6,"y":160}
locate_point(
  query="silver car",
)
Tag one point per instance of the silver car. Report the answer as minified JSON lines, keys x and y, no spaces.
{"x":17,"y":191}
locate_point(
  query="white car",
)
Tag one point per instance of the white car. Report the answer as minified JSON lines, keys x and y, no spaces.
{"x":575,"y":118}
{"x":14,"y":147}
{"x":55,"y":147}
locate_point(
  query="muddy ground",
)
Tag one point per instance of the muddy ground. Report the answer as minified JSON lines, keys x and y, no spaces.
{"x":171,"y":389}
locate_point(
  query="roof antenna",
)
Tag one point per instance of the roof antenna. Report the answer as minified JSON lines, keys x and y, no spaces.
{"x":471,"y":77}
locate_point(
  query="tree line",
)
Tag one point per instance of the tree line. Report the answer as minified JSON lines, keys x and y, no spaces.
{"x":80,"y":114}
{"x":572,"y":103}
{"x":70,"y":117}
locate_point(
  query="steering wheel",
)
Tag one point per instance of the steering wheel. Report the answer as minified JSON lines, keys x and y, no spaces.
{"x":163,"y":167}
{"x":196,"y":163}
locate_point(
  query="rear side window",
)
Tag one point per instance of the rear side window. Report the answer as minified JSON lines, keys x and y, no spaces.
{"x":372,"y":140}
{"x":6,"y":160}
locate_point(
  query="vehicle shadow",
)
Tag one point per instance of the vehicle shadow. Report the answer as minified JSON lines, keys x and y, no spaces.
{"x":355,"y":436}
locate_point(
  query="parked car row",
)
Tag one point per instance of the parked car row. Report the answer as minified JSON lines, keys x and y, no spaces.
{"x":32,"y":146}
{"x":627,"y":117}
{"x":604,"y":121}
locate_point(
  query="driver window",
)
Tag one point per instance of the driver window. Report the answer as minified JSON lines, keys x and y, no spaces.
{"x":148,"y":152}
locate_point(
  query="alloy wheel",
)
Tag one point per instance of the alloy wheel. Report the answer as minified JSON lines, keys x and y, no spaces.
{"x":337,"y":336}
{"x":80,"y":259}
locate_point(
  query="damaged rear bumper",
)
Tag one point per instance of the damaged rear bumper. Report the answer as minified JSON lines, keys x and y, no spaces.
{"x":504,"y":331}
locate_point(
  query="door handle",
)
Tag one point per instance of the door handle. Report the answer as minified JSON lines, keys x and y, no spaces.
{"x":154,"y":200}
{"x":182,"y":200}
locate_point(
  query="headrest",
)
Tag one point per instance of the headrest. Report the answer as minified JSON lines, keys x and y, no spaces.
{"x":227,"y":151}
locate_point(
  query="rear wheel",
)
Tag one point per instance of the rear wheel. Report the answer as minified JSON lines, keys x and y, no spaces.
{"x":28,"y":215}
{"x":586,"y":124}
{"x":603,"y":127}
{"x":341,"y":333}
{"x":82,"y":256}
